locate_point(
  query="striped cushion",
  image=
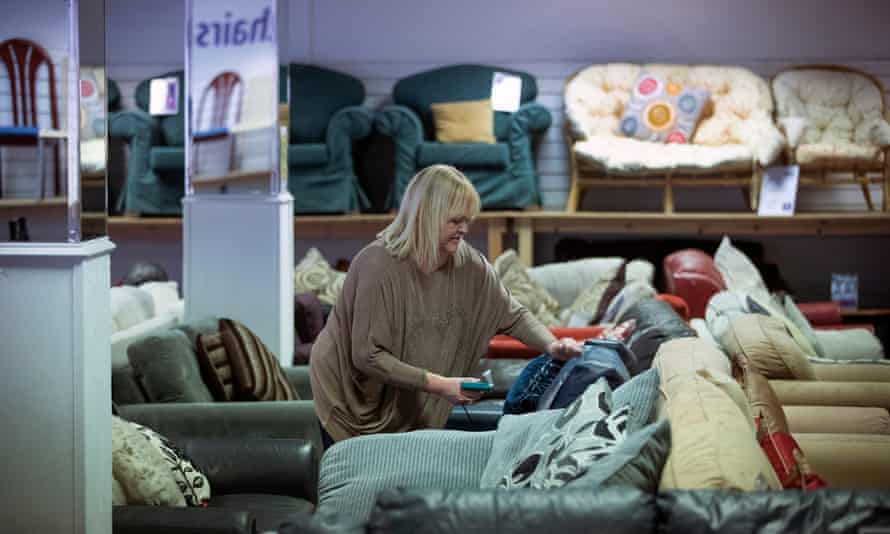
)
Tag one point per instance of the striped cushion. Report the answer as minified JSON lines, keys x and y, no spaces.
{"x":355,"y":470}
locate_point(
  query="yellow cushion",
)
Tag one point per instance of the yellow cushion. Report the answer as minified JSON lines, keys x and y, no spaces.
{"x":471,"y":121}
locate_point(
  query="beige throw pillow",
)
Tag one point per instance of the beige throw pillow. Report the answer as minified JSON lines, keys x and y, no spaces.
{"x":586,"y":304}
{"x":514,"y":276}
{"x":470,"y":121}
{"x":767,"y":346}
{"x":315,"y":275}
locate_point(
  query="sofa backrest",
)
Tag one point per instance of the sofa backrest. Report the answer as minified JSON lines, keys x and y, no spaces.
{"x":456,"y":83}
{"x":316,"y":93}
{"x":595,"y":98}
{"x":835,"y":101}
{"x":172,"y":126}
{"x":692,"y":275}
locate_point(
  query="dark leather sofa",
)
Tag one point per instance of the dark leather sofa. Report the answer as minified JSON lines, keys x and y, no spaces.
{"x":620,"y":510}
{"x":261,"y":460}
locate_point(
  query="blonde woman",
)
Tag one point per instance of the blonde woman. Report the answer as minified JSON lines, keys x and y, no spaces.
{"x":417,"y":310}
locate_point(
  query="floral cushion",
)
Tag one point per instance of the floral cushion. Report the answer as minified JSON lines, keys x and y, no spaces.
{"x":190,"y":480}
{"x":514,"y":276}
{"x":315,"y":275}
{"x":661,"y":110}
{"x":140,"y":469}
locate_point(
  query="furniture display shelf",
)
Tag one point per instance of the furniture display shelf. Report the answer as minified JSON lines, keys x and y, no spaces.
{"x":528,"y":224}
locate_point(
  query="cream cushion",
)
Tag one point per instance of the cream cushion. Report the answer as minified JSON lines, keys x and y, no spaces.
{"x":712,"y":441}
{"x":735,"y":132}
{"x":738,"y":271}
{"x":850,"y":344}
{"x":837,"y":419}
{"x":165,"y":295}
{"x":843,"y":113}
{"x":140,"y":469}
{"x":129,"y":307}
{"x":536,"y":299}
{"x":848,"y":461}
{"x":566,"y":280}
{"x":768,"y":347}
{"x":684,"y":356}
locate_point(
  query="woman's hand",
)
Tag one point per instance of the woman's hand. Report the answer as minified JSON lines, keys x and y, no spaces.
{"x":565,"y":348}
{"x":449,"y":387}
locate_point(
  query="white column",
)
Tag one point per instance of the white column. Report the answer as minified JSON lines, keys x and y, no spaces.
{"x":238,"y":255}
{"x":55,"y":366}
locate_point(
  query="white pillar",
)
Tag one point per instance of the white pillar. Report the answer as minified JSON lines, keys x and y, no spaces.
{"x":238,"y":255}
{"x":55,"y":366}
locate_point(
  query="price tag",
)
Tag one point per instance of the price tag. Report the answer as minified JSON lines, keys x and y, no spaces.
{"x":845,"y":290}
{"x":506,"y":92}
{"x":778,"y":191}
{"x":164,"y":96}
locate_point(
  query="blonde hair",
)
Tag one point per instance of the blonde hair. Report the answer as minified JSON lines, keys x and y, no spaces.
{"x":435,"y":194}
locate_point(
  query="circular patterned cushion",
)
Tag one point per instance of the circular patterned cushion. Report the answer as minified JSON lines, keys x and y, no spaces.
{"x":767,"y":346}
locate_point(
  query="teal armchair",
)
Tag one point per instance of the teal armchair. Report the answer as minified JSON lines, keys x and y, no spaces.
{"x":325,"y":118}
{"x":156,"y":164}
{"x":503,"y":173}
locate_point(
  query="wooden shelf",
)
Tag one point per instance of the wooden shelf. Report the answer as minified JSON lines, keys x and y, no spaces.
{"x":32,"y":202}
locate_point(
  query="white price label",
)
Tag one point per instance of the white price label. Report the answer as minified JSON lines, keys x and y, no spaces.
{"x":506,"y":92}
{"x":778,"y":191}
{"x":164,"y":96}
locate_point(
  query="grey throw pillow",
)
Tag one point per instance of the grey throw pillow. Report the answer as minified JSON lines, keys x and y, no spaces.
{"x":511,"y":438}
{"x":640,"y":392}
{"x":166,"y":368}
{"x":637,"y":461}
{"x":586,"y":431}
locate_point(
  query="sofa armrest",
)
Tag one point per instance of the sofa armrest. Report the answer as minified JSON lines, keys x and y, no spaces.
{"x":530,"y":117}
{"x":852,"y":372}
{"x":298,"y":376}
{"x":153,"y":519}
{"x":266,"y":466}
{"x":837,"y":420}
{"x":272,"y":419}
{"x":617,"y":510}
{"x":346,"y":125}
{"x":132,"y":124}
{"x":818,"y":393}
{"x":848,"y":461}
{"x":404,"y":127}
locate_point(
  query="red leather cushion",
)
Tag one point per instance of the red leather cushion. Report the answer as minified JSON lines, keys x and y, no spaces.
{"x":507,"y":347}
{"x":692,"y":275}
{"x":821,"y":313}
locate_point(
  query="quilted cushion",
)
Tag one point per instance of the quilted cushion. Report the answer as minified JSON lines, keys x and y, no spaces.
{"x":463,"y":155}
{"x":843,"y":112}
{"x":662,"y":111}
{"x":620,"y":155}
{"x":767,"y":345}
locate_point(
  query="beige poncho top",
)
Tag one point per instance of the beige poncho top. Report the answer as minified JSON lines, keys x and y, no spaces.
{"x":391,"y":324}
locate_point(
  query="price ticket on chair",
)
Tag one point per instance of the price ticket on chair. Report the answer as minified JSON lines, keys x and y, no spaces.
{"x":778,"y":191}
{"x":506,"y":92}
{"x":163,"y":96}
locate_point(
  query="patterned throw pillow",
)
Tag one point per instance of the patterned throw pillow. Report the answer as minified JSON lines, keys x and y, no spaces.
{"x":191,"y":481}
{"x":662,"y":111}
{"x":140,"y":470}
{"x":514,"y":276}
{"x":584,"y":433}
{"x":314,"y":275}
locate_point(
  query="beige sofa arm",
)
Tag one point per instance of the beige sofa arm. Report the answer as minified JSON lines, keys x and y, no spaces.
{"x":852,"y":372}
{"x":837,"y":420}
{"x":849,"y":461}
{"x":817,"y":393}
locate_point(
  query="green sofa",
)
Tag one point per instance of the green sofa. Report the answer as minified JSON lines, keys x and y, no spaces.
{"x":325,"y":117}
{"x":503,"y":173}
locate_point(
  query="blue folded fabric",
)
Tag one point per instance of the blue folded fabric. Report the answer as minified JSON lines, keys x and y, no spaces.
{"x":29,"y":131}
{"x":213,"y":132}
{"x":601,"y":358}
{"x":534,"y":379}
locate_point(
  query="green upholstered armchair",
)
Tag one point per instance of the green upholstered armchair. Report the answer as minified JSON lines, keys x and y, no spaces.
{"x":503,"y":173}
{"x":326,"y":116}
{"x":156,"y":164}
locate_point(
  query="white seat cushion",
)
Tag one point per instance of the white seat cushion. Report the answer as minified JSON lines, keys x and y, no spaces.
{"x":622,"y":155}
{"x":164,"y":294}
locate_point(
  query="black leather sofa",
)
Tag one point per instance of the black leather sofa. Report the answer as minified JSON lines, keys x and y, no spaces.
{"x":261,"y":460}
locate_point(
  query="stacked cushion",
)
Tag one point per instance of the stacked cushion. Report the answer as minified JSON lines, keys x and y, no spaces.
{"x":765,"y":343}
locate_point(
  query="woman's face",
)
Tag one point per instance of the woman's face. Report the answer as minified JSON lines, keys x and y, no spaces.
{"x":453,"y":232}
